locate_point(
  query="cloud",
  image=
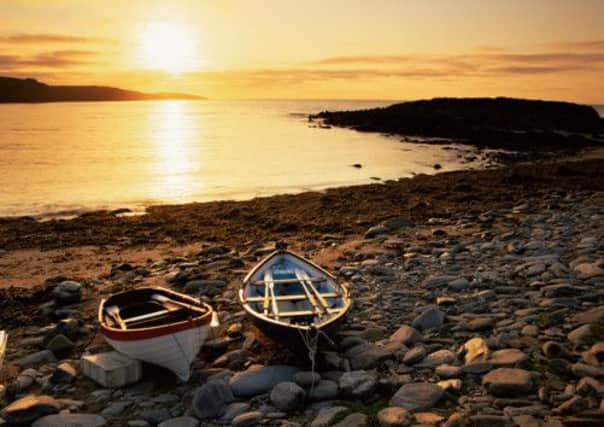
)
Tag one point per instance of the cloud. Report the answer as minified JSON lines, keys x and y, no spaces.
{"x":52,"y":59}
{"x":577,"y":45}
{"x":49,"y":38}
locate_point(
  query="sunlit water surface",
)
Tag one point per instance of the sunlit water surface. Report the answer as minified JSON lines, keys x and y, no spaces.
{"x":68,"y":157}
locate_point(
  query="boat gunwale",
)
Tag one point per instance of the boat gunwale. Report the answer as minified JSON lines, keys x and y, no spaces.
{"x":136,"y":334}
{"x":246,"y":306}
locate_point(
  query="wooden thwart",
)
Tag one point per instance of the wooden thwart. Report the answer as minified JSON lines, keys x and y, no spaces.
{"x":288,"y":281}
{"x":295,"y":297}
{"x":307,"y":312}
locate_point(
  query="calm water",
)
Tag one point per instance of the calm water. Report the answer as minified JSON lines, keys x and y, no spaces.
{"x":68,"y":157}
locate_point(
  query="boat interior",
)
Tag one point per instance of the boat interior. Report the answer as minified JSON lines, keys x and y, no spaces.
{"x":148,"y":308}
{"x":290,"y":290}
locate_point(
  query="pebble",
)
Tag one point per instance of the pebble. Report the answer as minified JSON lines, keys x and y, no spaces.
{"x":71,"y":420}
{"x":508,"y":382}
{"x":211,"y":399}
{"x":393,"y":416}
{"x":417,"y":396}
{"x":353,"y":420}
{"x":324,"y":390}
{"x":257,"y":381}
{"x":326,"y":416}
{"x":358,"y":383}
{"x":247,"y":419}
{"x":307,"y":378}
{"x":431,"y":318}
{"x":26,"y":410}
{"x":180,"y":422}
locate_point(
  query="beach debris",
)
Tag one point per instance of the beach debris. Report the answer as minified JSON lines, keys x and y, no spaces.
{"x":111,"y":369}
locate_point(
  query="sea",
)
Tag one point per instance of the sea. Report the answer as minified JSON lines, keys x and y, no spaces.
{"x":63,"y":159}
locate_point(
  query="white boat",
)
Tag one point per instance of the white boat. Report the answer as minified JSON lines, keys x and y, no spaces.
{"x":3,"y":344}
{"x":288,"y":296}
{"x":157,"y":326}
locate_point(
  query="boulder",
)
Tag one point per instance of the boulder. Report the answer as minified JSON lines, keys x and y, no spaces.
{"x":211,"y":399}
{"x":261,"y":380}
{"x":287,"y":396}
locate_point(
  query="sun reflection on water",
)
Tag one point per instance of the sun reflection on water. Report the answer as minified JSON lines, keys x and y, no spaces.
{"x":176,"y":161}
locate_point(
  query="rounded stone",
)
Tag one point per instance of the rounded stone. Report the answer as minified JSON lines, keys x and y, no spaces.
{"x":247,"y":419}
{"x":62,"y":420}
{"x":507,"y":357}
{"x":211,"y":399}
{"x":287,"y":396}
{"x":324,"y":390}
{"x":510,"y":382}
{"x":307,"y":378}
{"x":417,"y":396}
{"x":393,"y":416}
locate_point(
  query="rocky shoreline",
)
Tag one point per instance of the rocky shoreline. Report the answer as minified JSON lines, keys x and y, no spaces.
{"x":478,"y":300}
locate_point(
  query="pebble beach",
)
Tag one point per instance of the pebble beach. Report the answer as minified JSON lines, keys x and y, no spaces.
{"x":478,"y":300}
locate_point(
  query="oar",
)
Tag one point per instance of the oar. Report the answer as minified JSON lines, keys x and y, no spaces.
{"x":165,"y":300}
{"x":270,"y":284}
{"x":305,"y":279}
{"x":309,"y":296}
{"x":114,"y":312}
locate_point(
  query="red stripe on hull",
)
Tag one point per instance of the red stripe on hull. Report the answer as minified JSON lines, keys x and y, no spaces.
{"x":143,"y":334}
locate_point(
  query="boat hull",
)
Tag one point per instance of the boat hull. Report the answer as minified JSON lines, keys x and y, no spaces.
{"x":174,"y":351}
{"x":285,"y":327}
{"x":173,"y":346}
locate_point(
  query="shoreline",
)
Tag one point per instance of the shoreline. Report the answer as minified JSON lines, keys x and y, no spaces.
{"x":31,"y":251}
{"x":467,"y":275}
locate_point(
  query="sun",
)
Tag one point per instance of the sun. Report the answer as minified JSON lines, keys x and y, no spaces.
{"x":167,"y":47}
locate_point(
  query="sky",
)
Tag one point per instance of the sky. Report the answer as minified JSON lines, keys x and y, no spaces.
{"x":379,"y":49}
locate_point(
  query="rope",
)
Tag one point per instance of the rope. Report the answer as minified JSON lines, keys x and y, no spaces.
{"x":310,"y":338}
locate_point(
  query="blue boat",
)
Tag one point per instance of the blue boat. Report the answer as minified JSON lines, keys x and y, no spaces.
{"x":292,"y":299}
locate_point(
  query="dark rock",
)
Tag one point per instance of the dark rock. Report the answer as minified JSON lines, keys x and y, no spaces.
{"x":367,"y":356}
{"x":417,"y":396}
{"x":60,"y":343}
{"x":70,"y":420}
{"x":287,"y":396}
{"x":180,"y":422}
{"x":358,"y":383}
{"x":508,"y":382}
{"x":247,"y":419}
{"x":406,"y":335}
{"x":211,"y":399}
{"x":206,"y":287}
{"x":35,"y":359}
{"x":257,"y":381}
{"x":431,"y":318}
{"x":65,"y":373}
{"x":324,"y":390}
{"x":307,"y":378}
{"x":26,"y":410}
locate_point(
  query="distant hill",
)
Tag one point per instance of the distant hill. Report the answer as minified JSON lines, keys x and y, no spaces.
{"x":31,"y":90}
{"x":487,"y":122}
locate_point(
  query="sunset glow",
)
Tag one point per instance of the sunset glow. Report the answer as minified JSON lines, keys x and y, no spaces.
{"x":340,"y":49}
{"x":167,"y":47}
